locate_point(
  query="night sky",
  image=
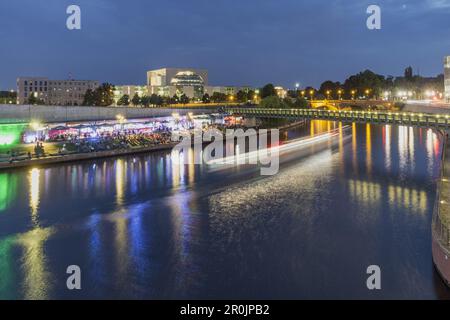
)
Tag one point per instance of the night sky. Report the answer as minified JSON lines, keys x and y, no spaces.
{"x":245,"y":42}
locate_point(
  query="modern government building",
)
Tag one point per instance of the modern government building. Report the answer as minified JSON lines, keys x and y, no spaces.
{"x":168,"y":82}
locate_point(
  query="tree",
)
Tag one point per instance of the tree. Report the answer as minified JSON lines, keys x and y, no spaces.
{"x":136,"y":100}
{"x":145,"y":101}
{"x":156,"y":100}
{"x":206,"y":98}
{"x":101,"y":96}
{"x":174,"y":99}
{"x":184,"y":99}
{"x":89,"y":98}
{"x":267,"y":91}
{"x":301,"y":103}
{"x":7,"y":97}
{"x":363,"y":81}
{"x":241,"y":96}
{"x":124,"y":100}
{"x":330,"y":89}
{"x":293,"y":94}
{"x":272,"y":102}
{"x":310,"y":92}
{"x":104,"y":95}
{"x":219,"y":97}
{"x":34,"y":100}
{"x":251,"y":95}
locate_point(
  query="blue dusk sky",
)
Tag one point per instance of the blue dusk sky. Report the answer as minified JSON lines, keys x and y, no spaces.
{"x":245,"y":42}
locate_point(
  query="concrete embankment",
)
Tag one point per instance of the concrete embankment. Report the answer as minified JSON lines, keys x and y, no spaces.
{"x":11,"y":113}
{"x":441,"y":218}
{"x":35,"y":162}
{"x":426,"y":108}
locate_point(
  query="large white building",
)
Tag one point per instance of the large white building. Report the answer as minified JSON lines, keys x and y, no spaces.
{"x":53,"y":92}
{"x":168,"y":82}
{"x":177,"y":81}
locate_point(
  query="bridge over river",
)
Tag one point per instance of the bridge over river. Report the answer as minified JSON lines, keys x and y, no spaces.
{"x":374,"y":117}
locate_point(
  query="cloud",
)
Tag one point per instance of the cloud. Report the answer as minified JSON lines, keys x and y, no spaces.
{"x":439,"y":4}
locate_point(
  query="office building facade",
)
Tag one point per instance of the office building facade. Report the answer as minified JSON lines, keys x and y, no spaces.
{"x":54,"y":92}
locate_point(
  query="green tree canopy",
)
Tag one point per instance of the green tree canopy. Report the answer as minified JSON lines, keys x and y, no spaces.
{"x":101,"y":96}
{"x":184,"y":99}
{"x":136,"y":100}
{"x":124,"y":100}
{"x":218,"y":97}
{"x":34,"y":100}
{"x":206,"y":98}
{"x":267,"y":91}
{"x":273,"y":102}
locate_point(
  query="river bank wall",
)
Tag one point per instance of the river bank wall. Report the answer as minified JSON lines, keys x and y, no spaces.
{"x":11,"y":113}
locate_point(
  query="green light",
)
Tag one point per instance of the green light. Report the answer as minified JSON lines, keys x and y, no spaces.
{"x":10,"y":134}
{"x":8,"y":189}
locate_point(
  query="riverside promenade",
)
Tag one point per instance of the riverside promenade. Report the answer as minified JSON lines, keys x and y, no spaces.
{"x":49,"y":160}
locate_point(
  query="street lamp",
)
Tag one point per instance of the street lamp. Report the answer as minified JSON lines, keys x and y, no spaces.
{"x":353,"y":94}
{"x":328,"y":94}
{"x":121,"y":119}
{"x":311,"y":93}
{"x":339,"y":94}
{"x":303,"y":93}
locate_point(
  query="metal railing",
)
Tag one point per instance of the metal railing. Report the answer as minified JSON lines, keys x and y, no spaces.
{"x":376,"y":117}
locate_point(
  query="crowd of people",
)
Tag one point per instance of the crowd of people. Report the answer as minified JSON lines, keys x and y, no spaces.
{"x":116,"y":141}
{"x":72,"y":144}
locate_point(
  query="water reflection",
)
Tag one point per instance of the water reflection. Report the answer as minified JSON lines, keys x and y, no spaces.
{"x":36,"y":277}
{"x":153,"y":226}
{"x":34,"y":180}
{"x":8,"y":190}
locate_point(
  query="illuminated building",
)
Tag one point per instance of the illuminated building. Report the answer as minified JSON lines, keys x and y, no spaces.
{"x":54,"y":92}
{"x":281,"y":92}
{"x":177,"y":81}
{"x":168,"y":82}
{"x":129,"y":90}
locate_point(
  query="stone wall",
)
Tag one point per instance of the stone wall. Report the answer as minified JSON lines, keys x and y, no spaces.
{"x":10,"y":113}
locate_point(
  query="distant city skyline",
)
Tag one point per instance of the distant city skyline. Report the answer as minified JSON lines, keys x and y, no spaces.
{"x":282,"y":42}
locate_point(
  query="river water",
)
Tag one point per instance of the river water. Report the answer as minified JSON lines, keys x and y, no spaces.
{"x":147,"y":227}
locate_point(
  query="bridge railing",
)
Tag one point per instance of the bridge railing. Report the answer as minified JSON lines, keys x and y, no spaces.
{"x":416,"y":119}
